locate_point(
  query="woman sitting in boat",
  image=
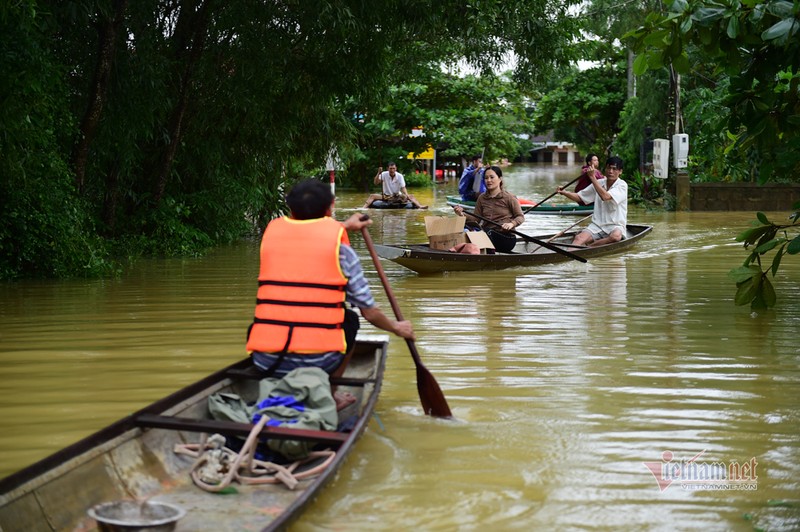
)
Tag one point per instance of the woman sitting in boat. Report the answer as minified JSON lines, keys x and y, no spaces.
{"x":499,"y":206}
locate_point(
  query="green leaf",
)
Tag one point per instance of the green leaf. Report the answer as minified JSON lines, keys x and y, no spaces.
{"x":758,"y":12}
{"x":707,"y":15}
{"x":657,"y":38}
{"x":681,"y":63}
{"x":794,"y":246}
{"x":655,"y":61}
{"x":746,"y":292}
{"x":776,"y":260}
{"x":767,"y":236}
{"x":780,"y":31}
{"x":733,"y":27}
{"x":743,"y":273}
{"x":768,"y":293}
{"x":780,"y":8}
{"x":768,"y":245}
{"x":762,"y":218}
{"x":640,"y":64}
{"x":751,"y":235}
{"x":758,"y":302}
{"x":679,"y":6}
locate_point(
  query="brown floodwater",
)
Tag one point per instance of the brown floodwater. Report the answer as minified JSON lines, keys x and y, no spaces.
{"x":569,"y":382}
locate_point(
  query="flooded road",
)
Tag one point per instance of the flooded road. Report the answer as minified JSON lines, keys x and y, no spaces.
{"x":569,"y":382}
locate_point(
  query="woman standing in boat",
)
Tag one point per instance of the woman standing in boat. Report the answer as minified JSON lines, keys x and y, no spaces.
{"x":499,"y":206}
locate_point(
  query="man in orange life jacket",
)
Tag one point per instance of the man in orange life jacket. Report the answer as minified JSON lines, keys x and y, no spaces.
{"x":308,"y":271}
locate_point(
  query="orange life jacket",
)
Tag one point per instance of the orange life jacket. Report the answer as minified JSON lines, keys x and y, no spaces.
{"x":300,"y":301}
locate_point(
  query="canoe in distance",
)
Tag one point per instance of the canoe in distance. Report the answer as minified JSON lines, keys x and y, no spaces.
{"x":422,"y":259}
{"x":380,"y":204}
{"x":134,"y":458}
{"x":557,"y":209}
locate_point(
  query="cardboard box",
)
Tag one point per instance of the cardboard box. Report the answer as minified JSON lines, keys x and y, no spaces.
{"x":480,"y":239}
{"x":444,"y":232}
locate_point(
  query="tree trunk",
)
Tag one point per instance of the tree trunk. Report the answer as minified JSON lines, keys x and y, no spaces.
{"x":111,"y":200}
{"x":199,"y":30}
{"x":631,"y":76}
{"x":106,"y":47}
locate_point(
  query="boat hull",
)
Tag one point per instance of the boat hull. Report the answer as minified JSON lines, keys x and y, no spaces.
{"x":380,"y":204}
{"x":424,"y":260}
{"x":134,"y":458}
{"x":556,"y":209}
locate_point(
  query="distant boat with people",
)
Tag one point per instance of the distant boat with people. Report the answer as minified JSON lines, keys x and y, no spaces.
{"x":421,"y":258}
{"x":530,"y":207}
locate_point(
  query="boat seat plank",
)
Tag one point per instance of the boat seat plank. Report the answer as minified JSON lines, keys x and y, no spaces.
{"x":238,"y":429}
{"x":254,"y":372}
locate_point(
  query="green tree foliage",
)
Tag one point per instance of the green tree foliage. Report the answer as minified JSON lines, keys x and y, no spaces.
{"x":45,"y":229}
{"x":756,"y":44}
{"x":754,"y":47}
{"x":168,"y":125}
{"x":584,"y":107}
{"x":752,"y":280}
{"x":461,"y":116}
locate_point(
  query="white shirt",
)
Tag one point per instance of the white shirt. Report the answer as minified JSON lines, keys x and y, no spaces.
{"x":611,"y":214}
{"x":392,"y":186}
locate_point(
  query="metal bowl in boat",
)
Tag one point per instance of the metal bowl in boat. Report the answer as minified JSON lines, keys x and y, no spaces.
{"x":129,"y":516}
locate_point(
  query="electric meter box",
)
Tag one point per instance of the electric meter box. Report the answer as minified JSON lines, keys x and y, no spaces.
{"x":660,"y":158}
{"x":680,"y":150}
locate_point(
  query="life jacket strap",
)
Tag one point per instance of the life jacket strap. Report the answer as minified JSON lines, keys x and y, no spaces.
{"x":338,"y":304}
{"x":321,"y":286}
{"x":292,"y":324}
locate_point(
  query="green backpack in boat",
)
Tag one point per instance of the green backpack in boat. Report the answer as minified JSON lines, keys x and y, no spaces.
{"x":302,"y":399}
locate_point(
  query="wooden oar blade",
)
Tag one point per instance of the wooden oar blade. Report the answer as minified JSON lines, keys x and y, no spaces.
{"x":430,"y":395}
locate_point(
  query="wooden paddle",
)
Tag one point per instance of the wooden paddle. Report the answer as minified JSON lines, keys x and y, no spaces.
{"x":564,"y":231}
{"x":541,"y":243}
{"x":431,"y":396}
{"x":529,"y":209}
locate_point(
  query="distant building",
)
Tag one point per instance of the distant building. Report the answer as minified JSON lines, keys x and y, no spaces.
{"x":547,"y":150}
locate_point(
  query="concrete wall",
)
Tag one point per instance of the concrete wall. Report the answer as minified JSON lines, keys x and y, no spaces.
{"x":742,"y":197}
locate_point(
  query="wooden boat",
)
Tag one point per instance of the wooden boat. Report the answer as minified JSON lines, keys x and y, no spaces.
{"x":380,"y":204}
{"x":134,"y":458}
{"x":527,"y":207}
{"x":422,"y":259}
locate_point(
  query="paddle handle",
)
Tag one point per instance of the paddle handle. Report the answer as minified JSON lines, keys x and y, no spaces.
{"x":568,"y":228}
{"x":389,"y":293}
{"x":562,"y":232}
{"x":388,"y":289}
